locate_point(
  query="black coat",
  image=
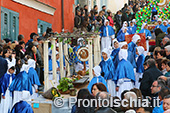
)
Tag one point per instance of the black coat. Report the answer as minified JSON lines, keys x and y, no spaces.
{"x":3,"y":66}
{"x":149,"y":76}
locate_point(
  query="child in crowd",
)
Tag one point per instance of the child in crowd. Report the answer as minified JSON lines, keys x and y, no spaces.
{"x":5,"y":82}
{"x":108,"y":70}
{"x":97,"y":78}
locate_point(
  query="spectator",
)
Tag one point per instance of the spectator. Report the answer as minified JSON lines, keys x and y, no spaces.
{"x":126,"y":16}
{"x":149,"y":75}
{"x":167,"y":50}
{"x":86,"y":10}
{"x":168,"y":69}
{"x":4,"y":64}
{"x":95,"y":8}
{"x":104,"y":10}
{"x":20,"y":38}
{"x":103,"y":96}
{"x":78,"y":107}
{"x":98,"y":87}
{"x":118,"y":21}
{"x":31,"y":38}
{"x":159,"y":36}
{"x":163,"y":65}
{"x":111,"y":23}
{"x":168,"y":35}
{"x":166,"y":103}
{"x":164,"y":41}
{"x":77,"y":20}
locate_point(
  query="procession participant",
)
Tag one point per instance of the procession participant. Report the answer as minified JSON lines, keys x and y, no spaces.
{"x":148,"y":35}
{"x":107,"y":35}
{"x":132,"y":27}
{"x":125,"y":24}
{"x":5,"y":82}
{"x":97,"y":78}
{"x":34,"y":78}
{"x":121,"y":36}
{"x":7,"y":54}
{"x":114,"y":54}
{"x":79,"y":65}
{"x":108,"y":70}
{"x":159,"y":24}
{"x":124,"y":74}
{"x":140,"y":68}
{"x":165,"y":26}
{"x":57,"y":68}
{"x":132,"y":49}
{"x":21,"y":85}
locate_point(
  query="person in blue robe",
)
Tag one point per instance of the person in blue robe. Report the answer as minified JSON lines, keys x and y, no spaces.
{"x":132,"y":49}
{"x":21,"y":85}
{"x":125,"y":24}
{"x":140,"y":68}
{"x":132,"y":28}
{"x":121,"y":36}
{"x":124,"y":74}
{"x":5,"y":81}
{"x":22,"y":107}
{"x":79,"y":65}
{"x":165,"y":27}
{"x":97,"y":78}
{"x":114,"y":54}
{"x":107,"y":35}
{"x":159,"y":24}
{"x":148,"y":34}
{"x":107,"y":70}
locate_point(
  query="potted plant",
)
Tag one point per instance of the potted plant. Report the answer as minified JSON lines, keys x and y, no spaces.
{"x":65,"y":85}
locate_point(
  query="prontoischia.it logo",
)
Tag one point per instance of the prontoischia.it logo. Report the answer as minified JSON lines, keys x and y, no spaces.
{"x":60,"y":102}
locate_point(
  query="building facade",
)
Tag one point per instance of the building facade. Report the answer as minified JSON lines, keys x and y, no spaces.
{"x":26,"y":16}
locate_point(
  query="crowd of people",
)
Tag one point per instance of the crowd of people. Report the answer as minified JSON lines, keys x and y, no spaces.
{"x":128,"y":67}
{"x":126,"y":70}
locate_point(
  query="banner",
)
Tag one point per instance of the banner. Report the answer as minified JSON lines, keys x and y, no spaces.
{"x":128,"y":39}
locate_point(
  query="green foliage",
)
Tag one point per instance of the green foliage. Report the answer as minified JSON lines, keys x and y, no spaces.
{"x":65,"y":84}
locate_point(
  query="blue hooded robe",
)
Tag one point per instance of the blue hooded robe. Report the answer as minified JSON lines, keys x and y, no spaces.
{"x":22,"y":107}
{"x":115,"y":57}
{"x":132,"y":53}
{"x":4,"y":82}
{"x":21,"y":82}
{"x":104,"y":33}
{"x":146,"y":31}
{"x":124,"y":70}
{"x":139,"y":63}
{"x":94,"y":80}
{"x":107,"y":68}
{"x":33,"y":76}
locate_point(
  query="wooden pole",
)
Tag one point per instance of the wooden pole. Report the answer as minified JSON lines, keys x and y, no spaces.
{"x":61,"y":59}
{"x":90,"y":58}
{"x":46,"y":76}
{"x":66,"y":54}
{"x":53,"y":41}
{"x":98,"y":48}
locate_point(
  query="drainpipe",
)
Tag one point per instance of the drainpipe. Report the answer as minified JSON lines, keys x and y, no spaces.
{"x":62,"y":12}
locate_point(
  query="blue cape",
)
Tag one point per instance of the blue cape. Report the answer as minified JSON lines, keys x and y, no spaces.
{"x":4,"y":82}
{"x":160,"y":26}
{"x":124,"y":70}
{"x":132,"y":53}
{"x":147,"y":32}
{"x":164,"y":29}
{"x":132,"y":29}
{"x":94,"y":80}
{"x":110,"y":30}
{"x":21,"y":82}
{"x":108,"y":69}
{"x":22,"y":107}
{"x":33,"y":76}
{"x":139,"y":63}
{"x":115,"y":56}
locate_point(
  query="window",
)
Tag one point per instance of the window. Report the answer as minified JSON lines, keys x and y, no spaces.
{"x":9,"y":24}
{"x":42,"y":26}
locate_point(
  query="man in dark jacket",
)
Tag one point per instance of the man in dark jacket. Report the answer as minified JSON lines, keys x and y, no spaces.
{"x":77,"y":20}
{"x":4,"y":64}
{"x":149,"y":76}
